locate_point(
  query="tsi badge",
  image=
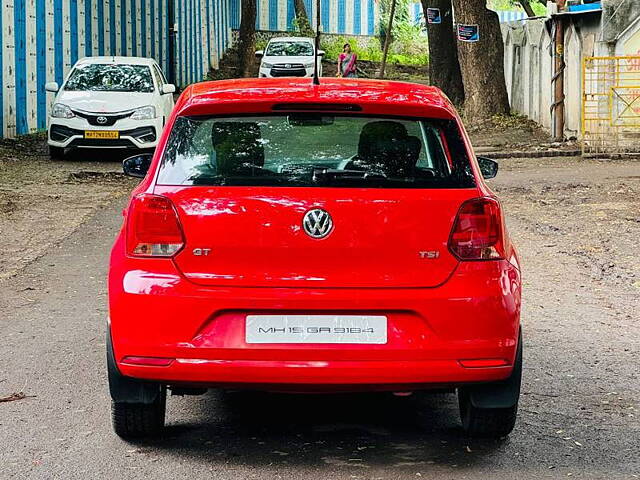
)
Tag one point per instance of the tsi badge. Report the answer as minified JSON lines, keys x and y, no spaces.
{"x":429,"y":254}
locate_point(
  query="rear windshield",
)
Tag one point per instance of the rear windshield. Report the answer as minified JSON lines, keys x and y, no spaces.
{"x":315,"y":149}
{"x":110,"y":78}
{"x":289,"y":49}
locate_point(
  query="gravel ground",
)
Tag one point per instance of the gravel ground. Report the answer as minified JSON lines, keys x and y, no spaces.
{"x":42,"y":201}
{"x":576,"y":224}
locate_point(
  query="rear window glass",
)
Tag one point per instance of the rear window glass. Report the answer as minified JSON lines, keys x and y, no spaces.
{"x":110,"y":78}
{"x":315,"y":150}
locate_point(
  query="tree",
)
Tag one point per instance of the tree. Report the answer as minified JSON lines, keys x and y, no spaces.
{"x":482,"y":62}
{"x":387,"y":40}
{"x":444,"y":67}
{"x":533,"y":8}
{"x":527,"y":8}
{"x":302,"y":19}
{"x":247,"y":37}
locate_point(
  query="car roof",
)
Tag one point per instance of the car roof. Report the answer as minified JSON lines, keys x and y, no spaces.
{"x":337,"y":94}
{"x":117,"y":60}
{"x":291,"y":39}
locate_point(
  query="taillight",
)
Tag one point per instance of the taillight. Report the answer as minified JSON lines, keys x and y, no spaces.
{"x":478,"y":232}
{"x":153,"y":227}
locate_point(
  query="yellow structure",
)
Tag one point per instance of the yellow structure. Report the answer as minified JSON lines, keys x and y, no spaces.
{"x":611,"y":104}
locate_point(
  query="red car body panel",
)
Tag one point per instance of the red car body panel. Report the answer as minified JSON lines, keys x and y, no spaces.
{"x":450,"y":322}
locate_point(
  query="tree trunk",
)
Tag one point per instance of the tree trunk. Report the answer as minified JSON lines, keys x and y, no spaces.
{"x":302,"y":19}
{"x":444,"y":67}
{"x":387,"y":40}
{"x":482,"y":62}
{"x":527,"y":8}
{"x":247,"y":37}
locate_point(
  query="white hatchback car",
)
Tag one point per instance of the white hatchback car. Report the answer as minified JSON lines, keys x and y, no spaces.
{"x":289,"y":57}
{"x":109,"y":102}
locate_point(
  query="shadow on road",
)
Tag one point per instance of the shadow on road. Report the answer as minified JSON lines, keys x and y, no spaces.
{"x":368,"y":430}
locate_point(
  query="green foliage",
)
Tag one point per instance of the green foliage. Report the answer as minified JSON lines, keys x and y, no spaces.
{"x":302,"y":28}
{"x":539,"y":6}
{"x":409,"y":43}
{"x":412,"y":50}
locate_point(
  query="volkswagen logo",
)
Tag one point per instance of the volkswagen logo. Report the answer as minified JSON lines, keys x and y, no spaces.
{"x":317,"y":223}
{"x":102,"y":120}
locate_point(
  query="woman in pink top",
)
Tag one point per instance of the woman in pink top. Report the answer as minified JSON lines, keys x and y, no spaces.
{"x":347,"y":63}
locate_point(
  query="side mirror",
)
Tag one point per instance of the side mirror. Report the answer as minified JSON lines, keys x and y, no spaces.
{"x":167,"y":88}
{"x":321,"y":53}
{"x":52,"y":87}
{"x":260,"y":53}
{"x":138,"y":165}
{"x":488,"y":167}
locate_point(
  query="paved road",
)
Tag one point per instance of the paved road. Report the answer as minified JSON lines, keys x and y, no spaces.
{"x":579,"y":411}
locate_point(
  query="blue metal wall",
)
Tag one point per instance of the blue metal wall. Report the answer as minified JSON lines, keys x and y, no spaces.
{"x":510,"y":16}
{"x":42,"y":39}
{"x":351,"y":17}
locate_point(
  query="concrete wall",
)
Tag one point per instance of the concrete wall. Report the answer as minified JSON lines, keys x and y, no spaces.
{"x":42,"y":39}
{"x":262,"y":37}
{"x":529,"y":66}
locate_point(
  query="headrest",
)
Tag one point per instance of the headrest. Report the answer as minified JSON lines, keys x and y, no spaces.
{"x":386,"y":130}
{"x":386,"y":145}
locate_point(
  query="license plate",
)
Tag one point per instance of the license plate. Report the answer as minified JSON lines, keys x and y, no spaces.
{"x":102,"y":134}
{"x":367,"y":329}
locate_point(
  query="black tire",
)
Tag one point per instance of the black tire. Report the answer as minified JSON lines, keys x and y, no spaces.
{"x":486,"y":422}
{"x":136,"y":420}
{"x":492,"y":422}
{"x":56,"y":153}
{"x":137,"y":407}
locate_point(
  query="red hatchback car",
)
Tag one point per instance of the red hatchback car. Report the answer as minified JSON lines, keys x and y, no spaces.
{"x":314,"y":238}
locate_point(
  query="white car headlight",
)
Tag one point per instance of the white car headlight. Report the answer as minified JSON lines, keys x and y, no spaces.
{"x":267,"y":65}
{"x":144,"y":113}
{"x":308,"y":65}
{"x":60,"y":110}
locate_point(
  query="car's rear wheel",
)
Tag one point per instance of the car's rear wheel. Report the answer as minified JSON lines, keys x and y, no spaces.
{"x":56,"y":153}
{"x":137,"y":407}
{"x":486,"y":422}
{"x":134,"y":420}
{"x":490,"y":410}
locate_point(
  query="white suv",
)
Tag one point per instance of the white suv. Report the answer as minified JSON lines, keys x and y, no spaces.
{"x":109,"y":102}
{"x":289,"y":57}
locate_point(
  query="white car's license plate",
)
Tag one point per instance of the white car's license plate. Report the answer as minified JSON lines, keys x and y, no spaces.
{"x":370,"y":329}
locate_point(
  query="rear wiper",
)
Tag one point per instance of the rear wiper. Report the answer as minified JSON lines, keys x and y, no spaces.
{"x":222,"y":181}
{"x":325,"y":175}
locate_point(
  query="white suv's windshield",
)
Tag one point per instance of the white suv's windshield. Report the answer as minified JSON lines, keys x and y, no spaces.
{"x":315,"y":150}
{"x":110,"y":78}
{"x":289,"y":49}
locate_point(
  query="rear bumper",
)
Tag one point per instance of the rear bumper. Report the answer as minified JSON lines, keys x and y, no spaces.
{"x":309,"y":376}
{"x":156,"y":313}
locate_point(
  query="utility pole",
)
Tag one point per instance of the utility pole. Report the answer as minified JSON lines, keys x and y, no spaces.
{"x":557,"y":109}
{"x":171,"y":61}
{"x":387,"y":39}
